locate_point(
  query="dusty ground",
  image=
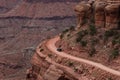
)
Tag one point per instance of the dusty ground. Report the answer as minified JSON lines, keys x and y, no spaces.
{"x":22,"y":31}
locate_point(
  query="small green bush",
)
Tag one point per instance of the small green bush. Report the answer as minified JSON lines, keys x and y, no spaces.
{"x":92,"y":51}
{"x":72,"y":28}
{"x":49,"y":55}
{"x":83,"y":43}
{"x":114,"y":41}
{"x":111,"y":33}
{"x":81,"y":34}
{"x":114,"y":54}
{"x":92,"y":29}
{"x":94,"y":41}
{"x":70,"y":63}
{"x":66,"y":30}
{"x":62,"y":34}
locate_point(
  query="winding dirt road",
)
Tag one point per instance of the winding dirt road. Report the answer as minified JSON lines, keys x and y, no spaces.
{"x":51,"y":46}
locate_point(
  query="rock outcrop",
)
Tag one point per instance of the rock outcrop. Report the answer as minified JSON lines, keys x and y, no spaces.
{"x":82,"y":10}
{"x":44,"y":68}
{"x":105,"y":14}
{"x":112,"y":15}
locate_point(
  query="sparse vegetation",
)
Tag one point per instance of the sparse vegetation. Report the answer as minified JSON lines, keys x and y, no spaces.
{"x":83,"y":43}
{"x":114,"y":41}
{"x":94,"y":41}
{"x":50,"y":55}
{"x":81,"y":34}
{"x":70,"y":63}
{"x":68,"y":35}
{"x":110,"y":33}
{"x":114,"y":54}
{"x":63,"y":33}
{"x":92,"y":51}
{"x":92,"y":29}
{"x":66,"y":30}
{"x":72,"y":28}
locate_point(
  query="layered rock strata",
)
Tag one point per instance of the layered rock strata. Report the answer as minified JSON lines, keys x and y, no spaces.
{"x":43,"y":68}
{"x":105,"y":14}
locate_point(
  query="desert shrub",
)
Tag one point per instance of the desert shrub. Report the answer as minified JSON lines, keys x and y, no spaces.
{"x":81,"y":34}
{"x":62,"y":34}
{"x":83,"y":43}
{"x":70,"y":63}
{"x":110,"y":33}
{"x":72,"y":28}
{"x":92,"y":51}
{"x":92,"y":29}
{"x":68,"y":35}
{"x":114,"y":54}
{"x":66,"y":30}
{"x":75,"y":69}
{"x":78,"y":39}
{"x":94,"y":41}
{"x":115,"y":41}
{"x":49,"y":55}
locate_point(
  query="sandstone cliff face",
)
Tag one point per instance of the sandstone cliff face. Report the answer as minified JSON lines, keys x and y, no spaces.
{"x":104,"y":13}
{"x":44,"y":69}
{"x":112,"y":15}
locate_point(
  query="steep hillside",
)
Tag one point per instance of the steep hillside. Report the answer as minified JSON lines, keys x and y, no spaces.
{"x":89,"y":51}
{"x":97,"y":36}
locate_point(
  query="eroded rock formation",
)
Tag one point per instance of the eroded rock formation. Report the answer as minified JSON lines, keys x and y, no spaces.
{"x":104,"y":13}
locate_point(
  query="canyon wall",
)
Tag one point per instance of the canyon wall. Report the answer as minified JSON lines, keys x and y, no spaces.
{"x":24,"y":25}
{"x":105,"y":14}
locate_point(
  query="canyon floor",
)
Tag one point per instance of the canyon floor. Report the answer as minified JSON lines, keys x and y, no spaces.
{"x":24,"y":25}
